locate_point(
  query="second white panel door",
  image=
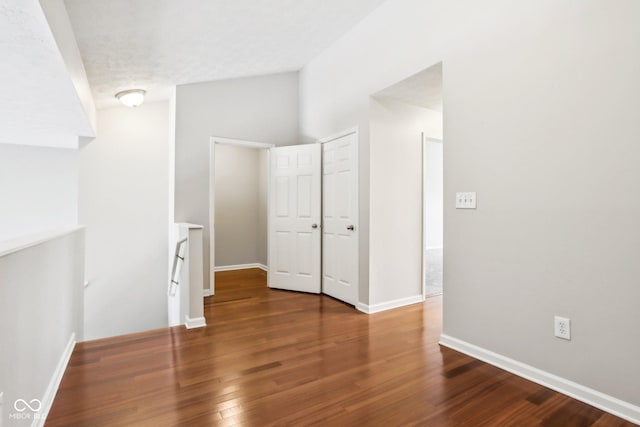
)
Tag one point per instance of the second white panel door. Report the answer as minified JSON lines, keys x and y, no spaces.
{"x":340,"y":214}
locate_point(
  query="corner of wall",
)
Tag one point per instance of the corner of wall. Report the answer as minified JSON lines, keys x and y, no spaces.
{"x":56,"y":15}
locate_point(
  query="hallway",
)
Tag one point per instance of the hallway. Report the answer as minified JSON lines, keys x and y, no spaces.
{"x":272,"y":357}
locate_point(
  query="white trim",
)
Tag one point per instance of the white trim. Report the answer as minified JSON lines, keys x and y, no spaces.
{"x":239,"y":142}
{"x":383,"y":306}
{"x":54,"y":383}
{"x":190,"y":226}
{"x":432,"y":248}
{"x":197,"y":322}
{"x":577,"y":391}
{"x":423,"y":229}
{"x":172,"y":231}
{"x":212,"y":212}
{"x":206,"y":292}
{"x":360,"y":306}
{"x":431,"y":139}
{"x":213,"y":140}
{"x":342,"y":134}
{"x":10,"y":246}
{"x":269,"y":219}
{"x":240,"y":267}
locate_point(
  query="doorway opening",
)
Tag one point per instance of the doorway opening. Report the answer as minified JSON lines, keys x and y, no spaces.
{"x":313,"y":213}
{"x":407,"y":183}
{"x":238,"y":198}
{"x":272,"y":207}
{"x":432,"y":215}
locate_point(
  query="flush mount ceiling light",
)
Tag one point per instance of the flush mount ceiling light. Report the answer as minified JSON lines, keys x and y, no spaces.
{"x":131,"y":97}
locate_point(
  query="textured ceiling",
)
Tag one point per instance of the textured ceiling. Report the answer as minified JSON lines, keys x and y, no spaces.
{"x":154,"y":44}
{"x":39,"y":104}
{"x":423,"y":89}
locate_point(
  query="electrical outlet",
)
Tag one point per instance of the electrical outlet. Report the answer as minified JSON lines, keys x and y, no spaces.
{"x":562,"y":327}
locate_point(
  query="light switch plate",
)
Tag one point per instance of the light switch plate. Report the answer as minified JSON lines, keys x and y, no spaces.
{"x":466,"y":200}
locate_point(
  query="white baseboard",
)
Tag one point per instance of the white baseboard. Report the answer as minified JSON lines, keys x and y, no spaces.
{"x":375,"y":308}
{"x":54,"y":383}
{"x":197,"y":322}
{"x":240,"y":267}
{"x":577,"y":391}
{"x":206,"y":292}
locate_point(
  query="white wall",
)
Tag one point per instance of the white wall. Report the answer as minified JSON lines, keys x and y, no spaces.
{"x":239,"y":203}
{"x":433,"y":194}
{"x":262,"y":109}
{"x":41,"y":316}
{"x":39,"y":104}
{"x":38,"y":189}
{"x":124,"y":203}
{"x":396,"y":198}
{"x":558,"y":187}
{"x":62,"y":31}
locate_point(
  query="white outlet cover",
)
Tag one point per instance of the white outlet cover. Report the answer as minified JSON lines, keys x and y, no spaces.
{"x":466,"y":200}
{"x":562,"y":327}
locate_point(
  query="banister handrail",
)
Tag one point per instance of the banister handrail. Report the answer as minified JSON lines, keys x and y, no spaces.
{"x":178,"y":259}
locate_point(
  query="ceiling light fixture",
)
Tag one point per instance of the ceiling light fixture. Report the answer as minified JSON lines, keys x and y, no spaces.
{"x":131,"y":97}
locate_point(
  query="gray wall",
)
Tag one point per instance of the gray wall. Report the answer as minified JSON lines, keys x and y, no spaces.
{"x":39,"y":189}
{"x":40,"y":313}
{"x":396,"y":197}
{"x":124,"y":203}
{"x":240,"y":205}
{"x":263,"y":109}
{"x":541,"y":119}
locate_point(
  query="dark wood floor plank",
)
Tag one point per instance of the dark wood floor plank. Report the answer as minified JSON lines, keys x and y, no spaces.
{"x":278,"y":358}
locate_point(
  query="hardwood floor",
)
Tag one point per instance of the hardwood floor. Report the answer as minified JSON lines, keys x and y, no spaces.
{"x":271,"y":357}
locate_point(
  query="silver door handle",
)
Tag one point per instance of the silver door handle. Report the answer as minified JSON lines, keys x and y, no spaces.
{"x":314,"y":225}
{"x":351,"y":228}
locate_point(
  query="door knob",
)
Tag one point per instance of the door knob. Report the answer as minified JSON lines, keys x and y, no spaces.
{"x":351,"y":228}
{"x":314,"y":225}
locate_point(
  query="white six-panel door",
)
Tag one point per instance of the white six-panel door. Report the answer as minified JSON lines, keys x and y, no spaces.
{"x":340,"y":214}
{"x":294,"y":218}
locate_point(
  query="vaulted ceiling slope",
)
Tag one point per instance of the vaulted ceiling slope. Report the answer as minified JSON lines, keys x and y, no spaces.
{"x":423,"y":89}
{"x":155,"y":44}
{"x":39,"y":104}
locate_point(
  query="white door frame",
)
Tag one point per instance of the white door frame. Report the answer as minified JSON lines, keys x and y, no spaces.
{"x":211,"y":290}
{"x":354,"y":130}
{"x":425,"y":139}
